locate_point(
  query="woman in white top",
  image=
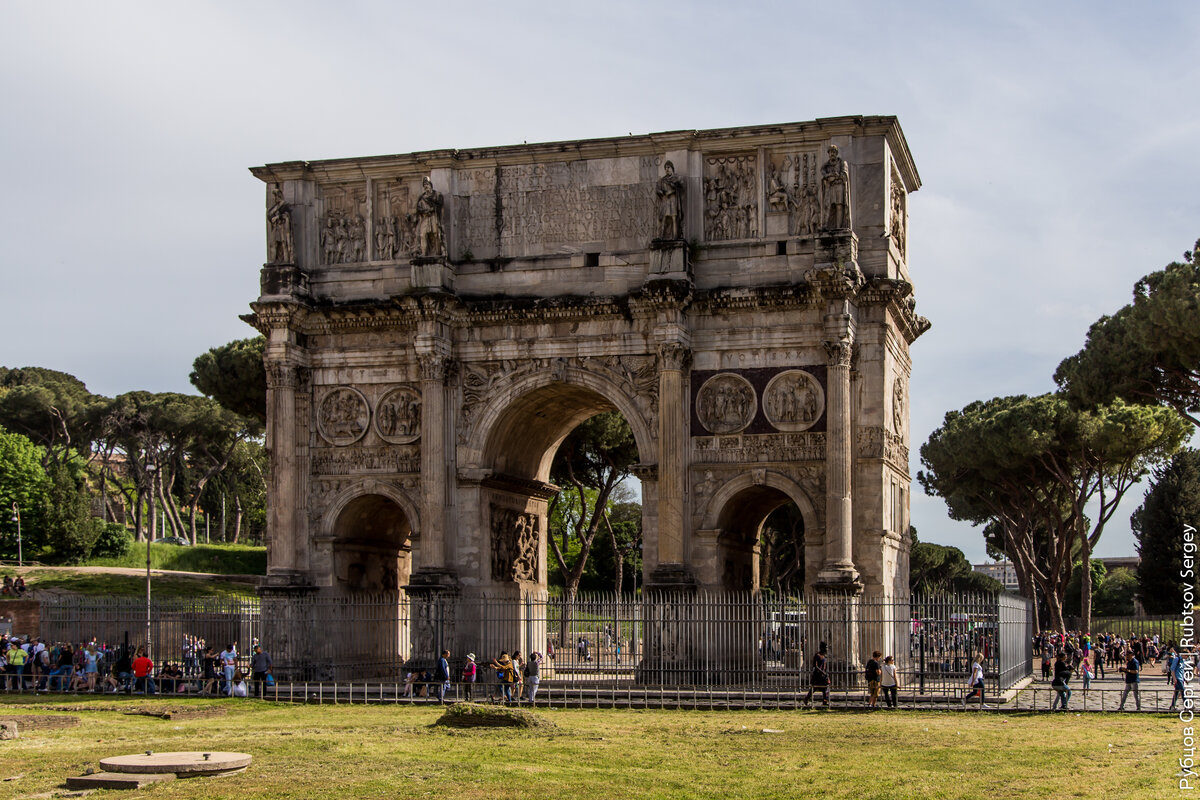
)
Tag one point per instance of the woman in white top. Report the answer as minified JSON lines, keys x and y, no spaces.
{"x":975,"y":683}
{"x":889,"y":680}
{"x":239,"y":687}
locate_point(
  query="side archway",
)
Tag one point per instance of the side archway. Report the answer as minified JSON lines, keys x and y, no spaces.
{"x":371,"y":527}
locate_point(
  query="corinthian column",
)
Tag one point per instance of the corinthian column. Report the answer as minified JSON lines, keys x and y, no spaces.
{"x":672,"y":443}
{"x":839,"y":508}
{"x":433,"y":462}
{"x":282,"y":381}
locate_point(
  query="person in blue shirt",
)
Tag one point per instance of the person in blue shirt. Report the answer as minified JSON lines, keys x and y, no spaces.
{"x":1131,"y":669}
{"x":441,"y":676}
{"x":1175,"y":669}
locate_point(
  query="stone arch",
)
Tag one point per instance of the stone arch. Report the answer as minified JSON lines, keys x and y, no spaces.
{"x":576,"y":395}
{"x":371,"y":526}
{"x":736,"y":512}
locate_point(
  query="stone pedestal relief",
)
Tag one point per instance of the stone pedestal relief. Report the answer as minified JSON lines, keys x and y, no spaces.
{"x":439,"y":322}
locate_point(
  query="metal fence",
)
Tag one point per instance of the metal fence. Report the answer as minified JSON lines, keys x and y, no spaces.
{"x":119,"y":621}
{"x":1166,"y":627}
{"x":713,"y":641}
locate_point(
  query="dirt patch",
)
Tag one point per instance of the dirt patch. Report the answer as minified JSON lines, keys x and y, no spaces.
{"x":473,"y":715}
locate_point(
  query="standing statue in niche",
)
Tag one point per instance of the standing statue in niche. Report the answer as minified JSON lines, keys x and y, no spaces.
{"x":669,"y":192}
{"x":431,"y":240}
{"x":835,"y":192}
{"x":279,"y":217}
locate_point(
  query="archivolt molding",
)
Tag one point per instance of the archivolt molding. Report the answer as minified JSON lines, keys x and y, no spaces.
{"x":722,"y":494}
{"x":490,"y":387}
{"x":362,"y":488}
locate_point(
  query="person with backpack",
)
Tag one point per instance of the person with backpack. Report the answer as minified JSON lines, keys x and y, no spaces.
{"x":1061,"y":683}
{"x":441,"y":676}
{"x":820,"y":676}
{"x":533,"y":675}
{"x":873,"y":674}
{"x":1132,"y":670}
{"x":505,"y":673}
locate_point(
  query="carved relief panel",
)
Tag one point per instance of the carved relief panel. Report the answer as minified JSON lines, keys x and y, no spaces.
{"x":343,"y":416}
{"x":726,"y":403}
{"x":343,"y":224}
{"x":899,"y":405}
{"x":793,"y":401}
{"x":514,"y":545}
{"x":394,"y":217}
{"x":792,"y":189}
{"x":398,"y":415}
{"x":730,"y":197}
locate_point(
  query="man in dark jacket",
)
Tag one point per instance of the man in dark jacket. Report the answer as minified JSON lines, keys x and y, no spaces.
{"x":260,"y":668}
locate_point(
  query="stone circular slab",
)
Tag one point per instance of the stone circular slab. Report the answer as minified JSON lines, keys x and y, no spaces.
{"x":181,"y":763}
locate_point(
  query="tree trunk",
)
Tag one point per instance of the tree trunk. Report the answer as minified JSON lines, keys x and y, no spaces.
{"x":237,"y":518}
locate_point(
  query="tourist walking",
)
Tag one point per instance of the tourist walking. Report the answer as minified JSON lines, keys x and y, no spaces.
{"x":469,"y":673}
{"x":260,"y":669}
{"x":975,"y":682}
{"x":820,"y":676}
{"x":441,"y":676}
{"x":889,"y":681}
{"x":1132,"y":670}
{"x":1061,"y":684}
{"x":533,"y":675}
{"x":1176,"y":672}
{"x":228,"y":658}
{"x":873,"y":675}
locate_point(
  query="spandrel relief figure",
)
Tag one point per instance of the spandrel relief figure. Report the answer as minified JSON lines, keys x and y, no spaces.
{"x":669,"y":192}
{"x":726,"y":403}
{"x":279,"y":217}
{"x":835,"y":192}
{"x":431,"y":240}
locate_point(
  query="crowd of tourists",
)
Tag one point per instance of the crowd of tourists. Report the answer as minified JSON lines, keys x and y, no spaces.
{"x":1075,"y":659}
{"x":507,"y":678}
{"x":37,"y":665}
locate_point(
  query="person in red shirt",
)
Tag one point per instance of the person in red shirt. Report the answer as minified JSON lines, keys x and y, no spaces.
{"x":143,"y":672}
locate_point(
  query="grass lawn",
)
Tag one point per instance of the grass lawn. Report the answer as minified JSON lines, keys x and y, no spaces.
{"x":112,"y":585}
{"x":222,"y":559}
{"x":393,"y":752}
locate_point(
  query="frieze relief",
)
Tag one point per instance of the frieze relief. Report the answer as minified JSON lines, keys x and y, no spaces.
{"x":726,"y":403}
{"x":792,"y":188}
{"x":876,"y":442}
{"x":392,"y":459}
{"x":514,"y":545}
{"x":758,"y":447}
{"x":793,"y":401}
{"x":730,"y":197}
{"x":343,"y":416}
{"x":344,"y":224}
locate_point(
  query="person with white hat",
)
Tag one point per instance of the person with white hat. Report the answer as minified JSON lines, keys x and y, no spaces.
{"x":470,"y":670}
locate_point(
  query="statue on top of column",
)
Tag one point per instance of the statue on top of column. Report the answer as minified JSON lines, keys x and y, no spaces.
{"x":835,"y":192}
{"x":669,"y":192}
{"x":279,"y":216}
{"x":431,"y":238}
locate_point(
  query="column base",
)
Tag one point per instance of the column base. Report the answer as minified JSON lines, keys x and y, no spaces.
{"x":433,"y":580}
{"x":839,"y":578}
{"x":671,"y":578}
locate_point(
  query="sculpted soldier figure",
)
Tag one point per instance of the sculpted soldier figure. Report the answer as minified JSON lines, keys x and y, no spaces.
{"x":669,"y":192}
{"x":279,"y":217}
{"x":835,"y":191}
{"x":430,"y":239}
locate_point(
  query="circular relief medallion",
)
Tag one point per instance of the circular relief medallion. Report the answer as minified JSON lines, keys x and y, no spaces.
{"x":343,"y":416}
{"x":398,"y":415}
{"x":726,"y":403}
{"x":793,"y":401}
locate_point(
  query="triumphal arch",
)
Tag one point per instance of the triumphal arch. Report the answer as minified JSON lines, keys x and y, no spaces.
{"x":438,"y":322}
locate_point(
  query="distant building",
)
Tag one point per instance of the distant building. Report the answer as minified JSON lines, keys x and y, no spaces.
{"x":1002,"y":571}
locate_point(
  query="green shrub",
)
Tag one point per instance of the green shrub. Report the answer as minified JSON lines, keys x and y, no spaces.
{"x":114,"y":541}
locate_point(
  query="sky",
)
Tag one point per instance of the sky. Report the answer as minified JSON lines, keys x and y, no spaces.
{"x":1058,"y":145}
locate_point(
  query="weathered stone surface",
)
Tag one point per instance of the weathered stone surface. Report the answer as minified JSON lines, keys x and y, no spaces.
{"x":32,"y":722}
{"x":747,"y":309}
{"x":9,"y":729}
{"x":118,"y":780}
{"x":182,"y":763}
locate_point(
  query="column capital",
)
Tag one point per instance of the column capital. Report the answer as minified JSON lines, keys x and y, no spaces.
{"x":284,"y":375}
{"x":840,"y":352}
{"x":435,"y":367}
{"x":675,"y":355}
